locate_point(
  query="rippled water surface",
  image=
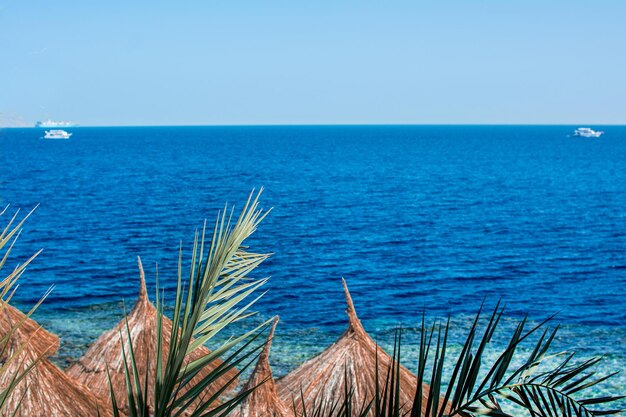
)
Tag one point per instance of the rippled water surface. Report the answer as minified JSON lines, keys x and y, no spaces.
{"x":412,"y":216}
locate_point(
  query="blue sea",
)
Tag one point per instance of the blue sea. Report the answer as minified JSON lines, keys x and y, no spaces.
{"x":416,"y":218}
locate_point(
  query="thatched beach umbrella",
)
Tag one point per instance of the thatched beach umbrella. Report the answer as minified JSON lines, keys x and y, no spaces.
{"x":263,"y":401}
{"x":40,"y":341}
{"x":353,"y":356}
{"x":45,"y":390}
{"x":142,"y":322}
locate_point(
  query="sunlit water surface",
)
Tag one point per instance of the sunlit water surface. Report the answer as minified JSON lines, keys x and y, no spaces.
{"x":414,"y":217}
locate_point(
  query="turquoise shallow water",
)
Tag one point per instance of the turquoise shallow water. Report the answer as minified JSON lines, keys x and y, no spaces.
{"x":440,"y":217}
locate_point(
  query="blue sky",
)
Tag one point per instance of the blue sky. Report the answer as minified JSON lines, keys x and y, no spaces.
{"x":328,"y":62}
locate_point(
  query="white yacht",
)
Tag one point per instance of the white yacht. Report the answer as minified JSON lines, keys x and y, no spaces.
{"x":586,"y":132}
{"x":57,"y":134}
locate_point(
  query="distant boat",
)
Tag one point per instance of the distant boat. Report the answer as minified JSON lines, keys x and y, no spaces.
{"x":586,"y":132}
{"x":57,"y":134}
{"x":52,"y":123}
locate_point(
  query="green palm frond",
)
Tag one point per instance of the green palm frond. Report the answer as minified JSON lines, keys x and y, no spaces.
{"x":478,"y":389}
{"x":475,"y":387}
{"x":8,"y":284}
{"x":8,"y":236}
{"x":217,"y":293}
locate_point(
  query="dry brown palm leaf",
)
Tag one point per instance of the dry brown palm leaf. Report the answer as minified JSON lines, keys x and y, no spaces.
{"x":263,"y":401}
{"x":91,"y":369}
{"x":352,"y":361}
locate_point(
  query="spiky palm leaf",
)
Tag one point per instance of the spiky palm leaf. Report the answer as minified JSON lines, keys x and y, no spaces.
{"x":476,"y":389}
{"x":8,"y":236}
{"x":216,"y":294}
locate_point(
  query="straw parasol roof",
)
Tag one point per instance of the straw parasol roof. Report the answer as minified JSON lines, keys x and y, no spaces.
{"x":45,"y":390}
{"x":263,"y":401}
{"x":352,"y":356}
{"x":142,"y":322}
{"x":40,"y":341}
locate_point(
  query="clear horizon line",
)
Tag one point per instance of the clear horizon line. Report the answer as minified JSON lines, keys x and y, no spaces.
{"x":318,"y":124}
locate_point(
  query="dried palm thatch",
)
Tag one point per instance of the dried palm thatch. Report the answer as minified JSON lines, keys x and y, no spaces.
{"x":263,"y":400}
{"x":45,"y":390}
{"x":24,"y":329}
{"x":352,"y":361}
{"x":91,"y":369}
